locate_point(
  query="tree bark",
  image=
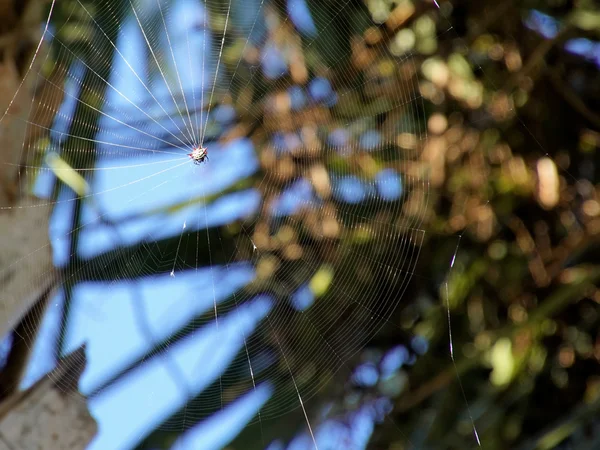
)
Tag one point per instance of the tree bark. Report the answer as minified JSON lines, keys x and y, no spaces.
{"x":49,"y":415}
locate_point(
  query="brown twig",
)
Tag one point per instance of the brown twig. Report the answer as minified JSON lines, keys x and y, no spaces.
{"x":573,"y":99}
{"x":537,"y":56}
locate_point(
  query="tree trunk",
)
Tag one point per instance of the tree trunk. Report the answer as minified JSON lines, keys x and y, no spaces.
{"x":27,"y":275}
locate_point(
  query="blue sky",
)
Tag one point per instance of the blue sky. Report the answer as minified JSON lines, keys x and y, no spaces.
{"x":122,"y":320}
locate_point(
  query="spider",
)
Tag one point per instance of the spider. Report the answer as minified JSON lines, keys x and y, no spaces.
{"x":199,"y":155}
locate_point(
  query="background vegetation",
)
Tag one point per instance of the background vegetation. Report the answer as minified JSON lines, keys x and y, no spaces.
{"x":498,"y":225}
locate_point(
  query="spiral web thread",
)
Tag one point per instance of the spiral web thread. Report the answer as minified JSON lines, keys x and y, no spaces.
{"x":126,"y":90}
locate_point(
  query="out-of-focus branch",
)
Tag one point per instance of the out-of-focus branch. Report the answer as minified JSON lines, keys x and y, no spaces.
{"x":582,"y":278}
{"x":538,"y":55}
{"x":573,"y":99}
{"x":24,"y":337}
